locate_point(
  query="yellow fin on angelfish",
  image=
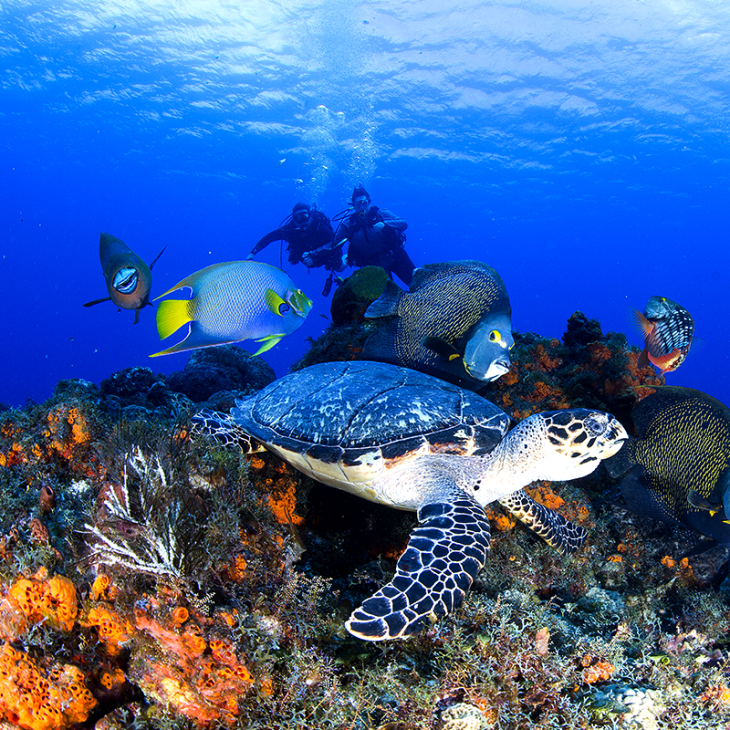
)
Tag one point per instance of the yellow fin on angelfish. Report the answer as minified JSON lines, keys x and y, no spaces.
{"x":269,"y":342}
{"x":171,"y":315}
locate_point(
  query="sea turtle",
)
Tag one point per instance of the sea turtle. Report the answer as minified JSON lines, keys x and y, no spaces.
{"x":411,"y":441}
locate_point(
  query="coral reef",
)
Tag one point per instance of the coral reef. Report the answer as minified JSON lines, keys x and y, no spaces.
{"x":151,"y":581}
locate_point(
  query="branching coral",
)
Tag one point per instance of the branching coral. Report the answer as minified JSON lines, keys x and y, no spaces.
{"x":144,"y":539}
{"x":154,"y":524}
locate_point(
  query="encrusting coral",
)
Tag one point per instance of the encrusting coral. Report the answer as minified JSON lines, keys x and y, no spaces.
{"x":150,"y":581}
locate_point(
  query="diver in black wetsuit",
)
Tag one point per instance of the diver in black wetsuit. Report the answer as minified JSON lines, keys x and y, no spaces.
{"x":310,"y":237}
{"x":376,"y":238}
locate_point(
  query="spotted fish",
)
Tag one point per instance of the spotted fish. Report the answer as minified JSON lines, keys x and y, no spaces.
{"x":678,"y":469}
{"x":668,"y":329}
{"x":454,"y":323}
{"x":128,"y":278}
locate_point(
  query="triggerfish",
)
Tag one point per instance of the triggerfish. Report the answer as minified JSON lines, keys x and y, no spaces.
{"x":234,"y":301}
{"x":678,"y":469}
{"x":668,"y":329}
{"x":128,"y":278}
{"x":455,"y":323}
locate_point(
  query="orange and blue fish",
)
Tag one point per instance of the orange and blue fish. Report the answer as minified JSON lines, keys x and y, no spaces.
{"x":668,"y":330}
{"x":233,"y":301}
{"x":128,"y":278}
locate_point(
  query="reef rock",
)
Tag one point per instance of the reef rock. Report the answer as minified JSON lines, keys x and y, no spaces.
{"x":215,"y":369}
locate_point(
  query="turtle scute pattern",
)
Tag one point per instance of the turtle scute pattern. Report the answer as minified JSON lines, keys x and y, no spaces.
{"x":444,"y":554}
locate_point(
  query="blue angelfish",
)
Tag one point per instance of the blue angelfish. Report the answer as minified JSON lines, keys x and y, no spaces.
{"x":233,"y":301}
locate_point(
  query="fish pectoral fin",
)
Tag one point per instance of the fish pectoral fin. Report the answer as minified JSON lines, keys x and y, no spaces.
{"x":699,"y":502}
{"x":154,"y":260}
{"x":645,"y":325}
{"x":97,"y":301}
{"x":171,"y":315}
{"x":441,"y":347}
{"x":269,"y":342}
{"x":273,"y":303}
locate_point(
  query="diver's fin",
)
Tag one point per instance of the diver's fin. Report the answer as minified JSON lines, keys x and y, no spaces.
{"x":386,"y":305}
{"x":645,"y":500}
{"x":441,"y":347}
{"x":171,"y":315}
{"x":97,"y":301}
{"x":154,"y":260}
{"x":269,"y":342}
{"x":274,"y":303}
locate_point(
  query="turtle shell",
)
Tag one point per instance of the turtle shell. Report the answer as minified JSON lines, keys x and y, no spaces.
{"x":362,"y":417}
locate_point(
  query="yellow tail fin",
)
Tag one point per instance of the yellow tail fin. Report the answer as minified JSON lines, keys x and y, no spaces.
{"x":173,"y":314}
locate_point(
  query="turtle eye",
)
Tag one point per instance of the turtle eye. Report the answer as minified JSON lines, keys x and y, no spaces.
{"x":494,"y":336}
{"x":284,"y":308}
{"x":596,"y":424}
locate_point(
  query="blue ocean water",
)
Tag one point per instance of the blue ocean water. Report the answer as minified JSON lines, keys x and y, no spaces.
{"x":579,"y":148}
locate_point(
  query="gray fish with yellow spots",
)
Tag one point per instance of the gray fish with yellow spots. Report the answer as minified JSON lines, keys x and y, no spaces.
{"x":455,"y":323}
{"x":678,"y":469}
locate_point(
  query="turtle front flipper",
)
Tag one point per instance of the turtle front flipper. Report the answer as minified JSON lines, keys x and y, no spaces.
{"x":558,"y":532}
{"x":444,"y":554}
{"x":223,"y":430}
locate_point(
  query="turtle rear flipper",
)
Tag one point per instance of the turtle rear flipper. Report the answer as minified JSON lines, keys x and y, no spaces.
{"x":224,"y":431}
{"x":444,"y":554}
{"x":558,"y":532}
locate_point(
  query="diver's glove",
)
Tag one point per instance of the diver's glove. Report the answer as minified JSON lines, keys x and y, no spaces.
{"x":307,"y":260}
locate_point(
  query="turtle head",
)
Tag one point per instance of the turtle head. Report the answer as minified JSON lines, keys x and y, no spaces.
{"x":558,"y":446}
{"x":575,"y":440}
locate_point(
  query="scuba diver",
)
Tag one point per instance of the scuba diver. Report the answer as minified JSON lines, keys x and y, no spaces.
{"x":308,"y":233}
{"x":376,"y":238}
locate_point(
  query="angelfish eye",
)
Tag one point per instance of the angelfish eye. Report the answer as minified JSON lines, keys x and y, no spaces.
{"x":494,"y":336}
{"x":284,"y":308}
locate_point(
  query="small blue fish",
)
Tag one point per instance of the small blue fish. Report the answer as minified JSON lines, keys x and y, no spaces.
{"x":234,"y":301}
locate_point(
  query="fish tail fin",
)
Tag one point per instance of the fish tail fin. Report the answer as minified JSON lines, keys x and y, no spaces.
{"x":171,"y":315}
{"x":665,"y":362}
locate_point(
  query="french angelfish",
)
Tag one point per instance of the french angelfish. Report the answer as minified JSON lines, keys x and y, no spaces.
{"x":128,"y":278}
{"x":668,"y":329}
{"x":454,"y":323}
{"x":678,"y":469}
{"x":233,"y":301}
